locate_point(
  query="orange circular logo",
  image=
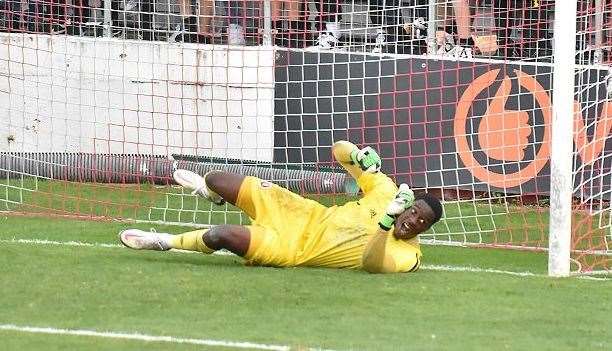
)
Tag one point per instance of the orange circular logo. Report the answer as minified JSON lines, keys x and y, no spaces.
{"x":503,"y":134}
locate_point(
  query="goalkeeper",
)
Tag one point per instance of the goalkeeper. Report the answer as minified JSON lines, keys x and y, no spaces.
{"x":377,"y":233}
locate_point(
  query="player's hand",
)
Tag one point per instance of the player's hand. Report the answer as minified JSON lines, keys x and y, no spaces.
{"x":404,"y":198}
{"x":367,"y":159}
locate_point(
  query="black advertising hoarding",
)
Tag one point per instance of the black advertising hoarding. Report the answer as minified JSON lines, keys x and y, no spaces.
{"x":437,"y":123}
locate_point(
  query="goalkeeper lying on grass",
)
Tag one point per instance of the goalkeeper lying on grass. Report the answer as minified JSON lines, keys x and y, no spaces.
{"x":377,"y":233}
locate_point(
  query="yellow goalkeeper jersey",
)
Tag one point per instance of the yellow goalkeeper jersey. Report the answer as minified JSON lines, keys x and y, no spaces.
{"x":289,"y":230}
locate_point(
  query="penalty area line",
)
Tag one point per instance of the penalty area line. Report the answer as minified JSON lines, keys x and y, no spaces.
{"x":147,"y":338}
{"x":58,"y":243}
{"x":446,"y":268}
{"x":86,"y":244}
{"x":442,"y":268}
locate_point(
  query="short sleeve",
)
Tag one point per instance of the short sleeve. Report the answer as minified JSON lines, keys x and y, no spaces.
{"x":379,"y":182}
{"x":405,"y":254}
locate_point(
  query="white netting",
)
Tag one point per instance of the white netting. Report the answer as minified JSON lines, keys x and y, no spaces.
{"x":101,"y":100}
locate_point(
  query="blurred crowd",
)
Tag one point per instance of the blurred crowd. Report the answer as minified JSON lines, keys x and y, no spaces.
{"x":520,"y":29}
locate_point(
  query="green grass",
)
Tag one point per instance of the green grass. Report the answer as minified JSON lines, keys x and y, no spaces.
{"x":464,"y":221}
{"x":145,"y":202}
{"x":17,"y":341}
{"x":216,"y":297}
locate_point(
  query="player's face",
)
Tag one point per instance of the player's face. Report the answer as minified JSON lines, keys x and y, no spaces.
{"x":414,"y":220}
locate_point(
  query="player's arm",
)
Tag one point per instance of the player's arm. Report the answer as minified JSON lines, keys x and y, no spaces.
{"x":364,"y":165}
{"x":356,"y":161}
{"x":376,"y":258}
{"x":379,"y":258}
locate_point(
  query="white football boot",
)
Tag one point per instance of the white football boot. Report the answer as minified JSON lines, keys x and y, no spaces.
{"x":140,"y":240}
{"x":326,"y":41}
{"x":381,"y":41}
{"x":190,"y":180}
{"x":235,"y":35}
{"x":458,"y":52}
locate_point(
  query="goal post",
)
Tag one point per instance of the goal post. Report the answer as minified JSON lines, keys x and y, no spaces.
{"x":99,"y":105}
{"x":562,"y":151}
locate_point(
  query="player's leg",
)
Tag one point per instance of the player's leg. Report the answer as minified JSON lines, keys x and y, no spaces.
{"x":234,"y":238}
{"x":256,"y":197}
{"x":227,"y":185}
{"x":257,"y":244}
{"x":247,"y":193}
{"x":276,"y":9}
{"x":218,"y":187}
{"x":293,"y":9}
{"x":199,"y":185}
{"x":206,"y":11}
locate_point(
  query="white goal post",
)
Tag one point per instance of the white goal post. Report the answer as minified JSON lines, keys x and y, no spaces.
{"x":562,"y":151}
{"x":98,"y":104}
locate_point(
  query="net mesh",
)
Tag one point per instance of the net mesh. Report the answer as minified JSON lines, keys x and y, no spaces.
{"x":592,"y":233}
{"x":101,"y":100}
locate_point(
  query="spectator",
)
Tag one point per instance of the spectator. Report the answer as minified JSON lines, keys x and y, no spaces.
{"x":291,"y":7}
{"x":523,"y":27}
{"x":466,"y":36}
{"x":133,"y":14}
{"x":80,"y":15}
{"x":12,"y":11}
{"x":463,"y":47}
{"x":453,"y":30}
{"x":462,"y":21}
{"x":235,"y":28}
{"x":195,"y":26}
{"x":145,"y":19}
{"x":62,"y":16}
{"x":45,"y":16}
{"x":386,"y":15}
{"x":289,"y":21}
{"x":327,"y":17}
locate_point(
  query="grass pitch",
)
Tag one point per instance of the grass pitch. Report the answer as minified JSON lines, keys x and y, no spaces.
{"x":216,"y":297}
{"x":451,"y":303}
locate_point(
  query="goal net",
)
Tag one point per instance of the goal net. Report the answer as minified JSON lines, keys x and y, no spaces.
{"x":100,"y":101}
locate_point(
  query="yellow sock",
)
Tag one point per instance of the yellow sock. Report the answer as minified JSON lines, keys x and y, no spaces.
{"x":191,"y":241}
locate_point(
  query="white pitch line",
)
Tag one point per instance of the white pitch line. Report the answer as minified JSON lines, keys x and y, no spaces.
{"x":61,"y":243}
{"x":476,"y":270}
{"x":145,"y":337}
{"x":86,"y":244}
{"x":443,"y":268}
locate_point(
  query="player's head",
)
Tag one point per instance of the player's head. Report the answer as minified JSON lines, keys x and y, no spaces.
{"x":425,"y":211}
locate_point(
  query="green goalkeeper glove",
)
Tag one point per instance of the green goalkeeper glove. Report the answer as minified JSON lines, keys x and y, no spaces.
{"x":367,"y":159}
{"x":404,"y":198}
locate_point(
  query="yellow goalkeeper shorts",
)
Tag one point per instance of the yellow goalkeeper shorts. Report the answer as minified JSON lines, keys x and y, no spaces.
{"x":281,"y":220}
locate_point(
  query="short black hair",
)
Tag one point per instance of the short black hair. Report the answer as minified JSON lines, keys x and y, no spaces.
{"x":433,"y":203}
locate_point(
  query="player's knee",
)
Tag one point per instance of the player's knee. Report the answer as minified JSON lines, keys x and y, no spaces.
{"x":217,"y":237}
{"x":214,"y":179}
{"x":234,"y":238}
